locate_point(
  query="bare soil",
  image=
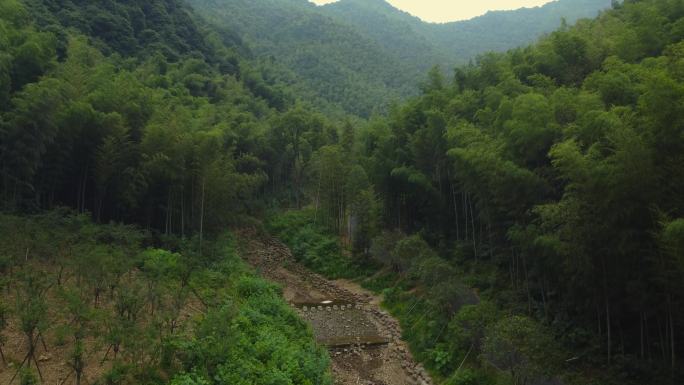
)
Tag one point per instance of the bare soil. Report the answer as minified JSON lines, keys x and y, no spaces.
{"x":53,"y":352}
{"x":363,"y":340}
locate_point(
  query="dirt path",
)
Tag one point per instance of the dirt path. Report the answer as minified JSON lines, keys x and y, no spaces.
{"x":364,"y":341}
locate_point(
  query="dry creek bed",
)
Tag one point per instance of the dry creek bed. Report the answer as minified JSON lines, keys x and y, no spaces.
{"x":364,"y":341}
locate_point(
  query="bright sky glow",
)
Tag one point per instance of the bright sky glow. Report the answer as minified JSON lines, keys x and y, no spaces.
{"x":440,"y":11}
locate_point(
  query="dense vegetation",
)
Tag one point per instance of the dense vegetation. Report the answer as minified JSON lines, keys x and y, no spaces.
{"x":328,"y":60}
{"x":154,"y":125}
{"x":178,"y":146}
{"x":360,"y":56}
{"x":126,"y":27}
{"x":427,"y":44}
{"x":550,"y":179}
{"x":523,"y":216}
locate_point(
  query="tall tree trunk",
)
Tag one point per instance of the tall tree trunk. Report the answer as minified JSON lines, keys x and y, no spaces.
{"x":607,"y":304}
{"x":662,"y":340}
{"x":201,"y":236}
{"x":318,"y":196}
{"x":465,"y":210}
{"x":673,"y":357}
{"x":193,"y":201}
{"x":527,"y":284}
{"x":453,"y":195}
{"x":608,"y":331}
{"x":622,"y":337}
{"x":641,"y":334}
{"x":543,"y":296}
{"x":83,"y":189}
{"x":472,"y":222}
{"x":183,"y":210}
{"x":489,"y":235}
{"x":167,"y":222}
{"x":648,"y":339}
{"x":599,"y":318}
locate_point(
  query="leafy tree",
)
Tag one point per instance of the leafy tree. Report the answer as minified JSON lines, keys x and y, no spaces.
{"x":32,"y":312}
{"x":518,"y":345}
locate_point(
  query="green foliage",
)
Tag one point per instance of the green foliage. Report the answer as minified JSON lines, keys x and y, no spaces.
{"x":329,"y":62}
{"x":468,"y":326}
{"x":312,"y":245}
{"x":126,"y":27}
{"x":673,"y":240}
{"x":118,"y":136}
{"x":4,"y":321}
{"x":269,"y":343}
{"x":160,"y":265}
{"x":518,"y":345}
{"x":469,"y":377}
{"x":188,"y":379}
{"x":360,"y":56}
{"x":548,"y":177}
{"x":245,"y":334}
{"x":28,"y":377}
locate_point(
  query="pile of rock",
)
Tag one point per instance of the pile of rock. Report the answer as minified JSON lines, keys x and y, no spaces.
{"x":351,"y":350}
{"x":398,"y":349}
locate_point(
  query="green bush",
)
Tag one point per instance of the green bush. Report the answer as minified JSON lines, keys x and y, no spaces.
{"x":249,"y":335}
{"x":28,"y":377}
{"x":188,"y":379}
{"x":469,"y":377}
{"x":313,"y":246}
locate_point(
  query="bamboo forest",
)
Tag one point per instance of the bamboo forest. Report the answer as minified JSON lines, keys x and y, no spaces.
{"x":277,"y":192}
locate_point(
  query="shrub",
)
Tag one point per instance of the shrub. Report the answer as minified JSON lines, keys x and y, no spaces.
{"x":468,"y":377}
{"x":522,"y":347}
{"x":312,"y":245}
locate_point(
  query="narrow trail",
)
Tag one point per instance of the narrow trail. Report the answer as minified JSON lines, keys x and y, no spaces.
{"x":364,"y":341}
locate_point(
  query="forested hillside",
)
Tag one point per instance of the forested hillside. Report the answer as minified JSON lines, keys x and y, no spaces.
{"x":362,"y":55}
{"x":134,"y":112}
{"x":448,"y":44}
{"x":170,"y":143}
{"x":503,"y":30}
{"x":127,"y":28}
{"x":549,"y":178}
{"x":335,"y":62}
{"x":523,"y":216}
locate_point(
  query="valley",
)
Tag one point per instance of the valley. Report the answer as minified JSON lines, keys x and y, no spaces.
{"x":233,"y":192}
{"x":364,"y":341}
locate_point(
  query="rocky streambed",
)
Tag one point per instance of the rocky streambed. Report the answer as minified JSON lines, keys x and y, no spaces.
{"x":364,"y":341}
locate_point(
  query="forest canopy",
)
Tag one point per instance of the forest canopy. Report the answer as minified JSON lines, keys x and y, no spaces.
{"x":523,"y":214}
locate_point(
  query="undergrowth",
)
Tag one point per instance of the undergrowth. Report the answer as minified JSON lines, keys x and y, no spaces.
{"x":136,"y":308}
{"x":314,"y":246}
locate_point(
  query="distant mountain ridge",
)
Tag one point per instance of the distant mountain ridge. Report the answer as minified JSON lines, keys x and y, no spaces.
{"x":361,"y":55}
{"x":459,"y":41}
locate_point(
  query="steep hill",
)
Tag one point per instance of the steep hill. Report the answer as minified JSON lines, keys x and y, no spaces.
{"x":125,"y":27}
{"x":458,"y":42}
{"x":334,"y":60}
{"x":361,"y":55}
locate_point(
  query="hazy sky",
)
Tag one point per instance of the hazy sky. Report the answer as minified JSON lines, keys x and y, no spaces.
{"x":452,"y":10}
